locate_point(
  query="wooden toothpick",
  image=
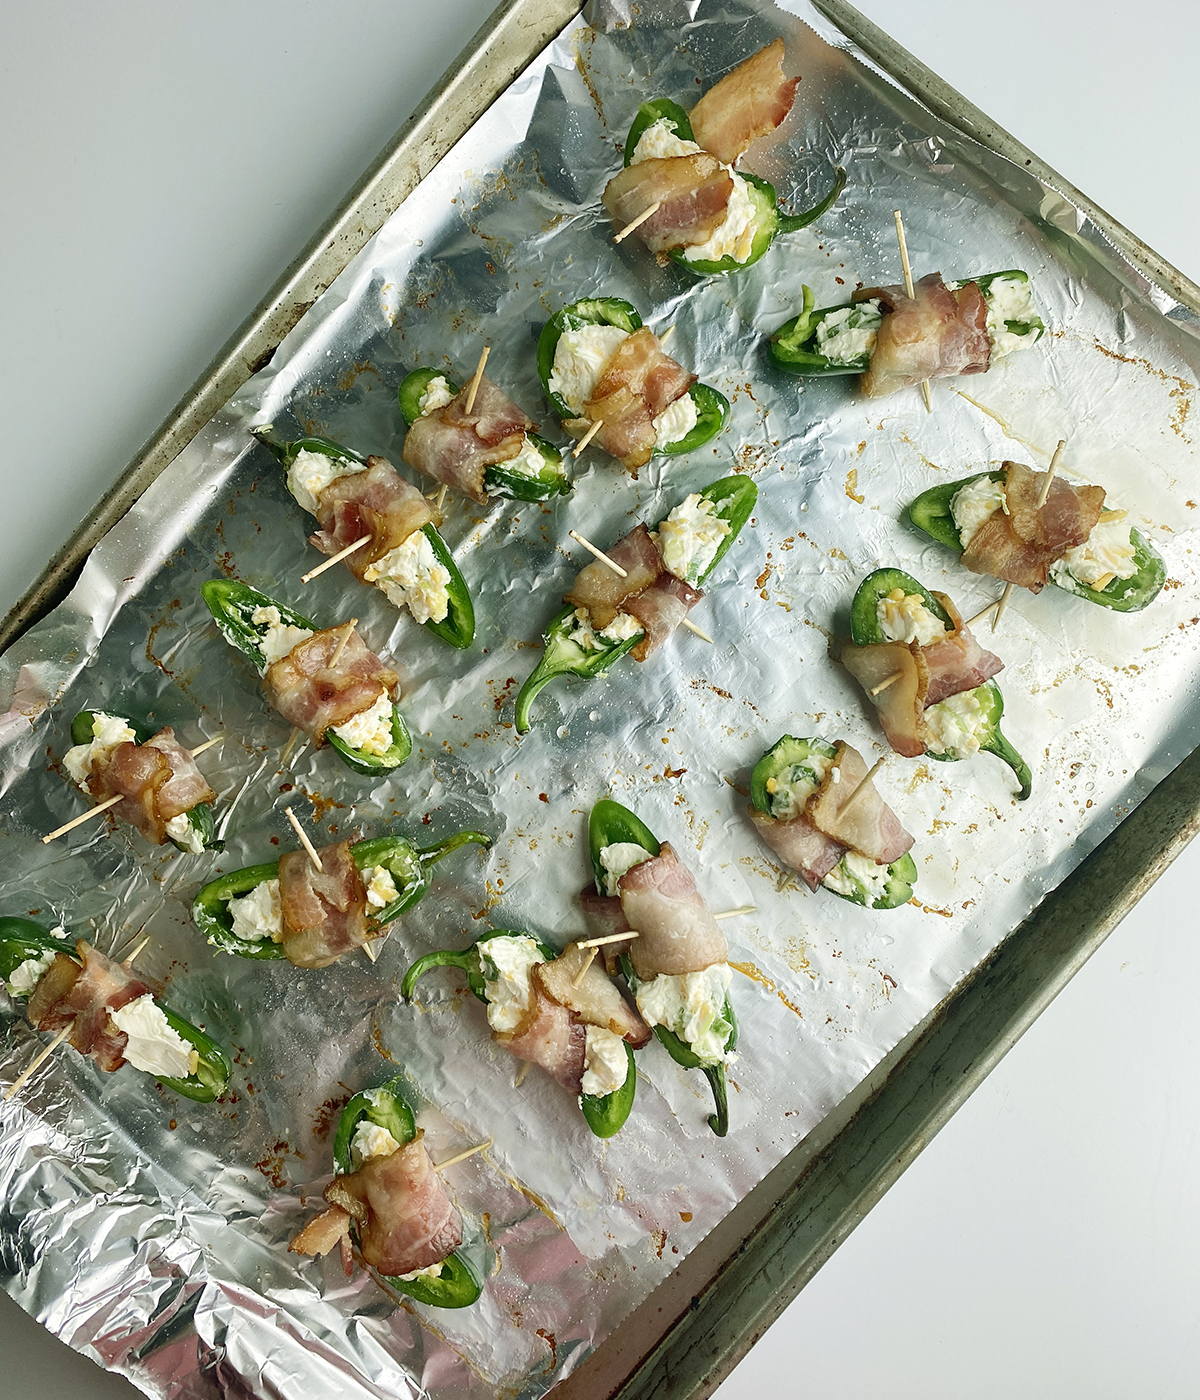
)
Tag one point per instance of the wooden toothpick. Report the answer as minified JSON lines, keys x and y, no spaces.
{"x":699,"y":631}
{"x":741,"y":909}
{"x":910,"y":289}
{"x":129,"y":960}
{"x":874,"y":768}
{"x":441,"y":499}
{"x":608,"y":938}
{"x":304,"y":841}
{"x":588,"y":436}
{"x":287,"y":748}
{"x":462,"y":1156}
{"x":79,"y":821}
{"x":370,"y":952}
{"x":883,"y":685}
{"x":521,"y":1073}
{"x":647,"y":213}
{"x":983,"y":612}
{"x":23,"y":1078}
{"x":335,"y":559}
{"x":1002,"y":602}
{"x":478,"y":375}
{"x":341,"y":647}
{"x":599,"y":554}
{"x":582,"y":973}
{"x":208,"y":744}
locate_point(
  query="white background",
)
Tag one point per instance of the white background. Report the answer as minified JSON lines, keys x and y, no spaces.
{"x":163,"y":161}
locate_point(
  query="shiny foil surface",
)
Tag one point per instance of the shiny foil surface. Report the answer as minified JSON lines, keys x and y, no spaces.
{"x":151,"y":1232}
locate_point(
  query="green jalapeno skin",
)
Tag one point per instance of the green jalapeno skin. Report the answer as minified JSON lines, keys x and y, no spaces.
{"x":712,"y":407}
{"x":788,"y":753}
{"x":659,"y":109}
{"x":499,"y":480}
{"x":611,"y":822}
{"x":865,"y":630}
{"x":407,"y":864}
{"x":458,"y":1285}
{"x":233,"y":603}
{"x":931,"y":513}
{"x":733,"y":499}
{"x":200,"y":817}
{"x":21,"y":939}
{"x":994,"y":741}
{"x":607,"y":1114}
{"x":458,"y":626}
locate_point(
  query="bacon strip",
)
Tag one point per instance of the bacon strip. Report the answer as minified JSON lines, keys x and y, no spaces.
{"x":456,"y":447}
{"x":902,"y":705}
{"x":867,"y":825}
{"x":314,"y":696}
{"x":750,"y":101}
{"x":377,"y":502}
{"x":956,"y":662}
{"x":82,"y":995}
{"x":602,"y":591}
{"x":549,"y":1036}
{"x":157,"y":780}
{"x":692,"y":193}
{"x":596,"y":1000}
{"x":405,"y":1219}
{"x":660,"y":609}
{"x":935,"y":334}
{"x":324,"y":911}
{"x":676,"y":930}
{"x":638,"y":383}
{"x":1019,"y":546}
{"x":799,"y":845}
{"x":604,"y":915}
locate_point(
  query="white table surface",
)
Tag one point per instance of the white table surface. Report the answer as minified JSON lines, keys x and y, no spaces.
{"x":164,"y":161}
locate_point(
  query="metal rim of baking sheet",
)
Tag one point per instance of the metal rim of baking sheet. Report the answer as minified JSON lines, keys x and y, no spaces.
{"x":753,"y":1265}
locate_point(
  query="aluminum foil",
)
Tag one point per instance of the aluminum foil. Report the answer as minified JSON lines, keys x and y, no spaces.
{"x":150,"y":1232}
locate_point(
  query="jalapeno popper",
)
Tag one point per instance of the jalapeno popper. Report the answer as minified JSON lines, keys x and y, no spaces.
{"x":327,"y":682}
{"x":488,"y":451}
{"x":928,"y":677}
{"x":608,"y":615}
{"x":164,"y":794}
{"x":559,"y":1011}
{"x":1071,"y":540}
{"x":895,"y":341}
{"x":810,"y":805}
{"x":287,"y":908}
{"x":678,"y":965}
{"x":709,"y":217}
{"x":388,"y":1198}
{"x":599,"y":365}
{"x":358,"y":498}
{"x":113,"y":1016}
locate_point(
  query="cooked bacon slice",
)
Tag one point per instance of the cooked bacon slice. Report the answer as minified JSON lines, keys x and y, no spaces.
{"x":455,"y":447}
{"x":157,"y":780}
{"x":638,"y":383}
{"x":692,"y":193}
{"x":404,"y":1218}
{"x":660,"y":609}
{"x":596,"y":1000}
{"x":324,"y":911}
{"x":325,"y":1231}
{"x":1019,"y":546}
{"x":602,"y":591}
{"x":749,"y":102}
{"x":867,"y":825}
{"x":314,"y":696}
{"x":604,"y":915}
{"x":901,"y":705}
{"x":82,"y":995}
{"x":799,"y":845}
{"x":676,"y":930}
{"x":551,"y":1037}
{"x":937,"y":333}
{"x":956,"y":662}
{"x":377,"y":502}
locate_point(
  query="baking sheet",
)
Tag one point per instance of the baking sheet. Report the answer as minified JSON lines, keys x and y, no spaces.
{"x":175,"y":1233}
